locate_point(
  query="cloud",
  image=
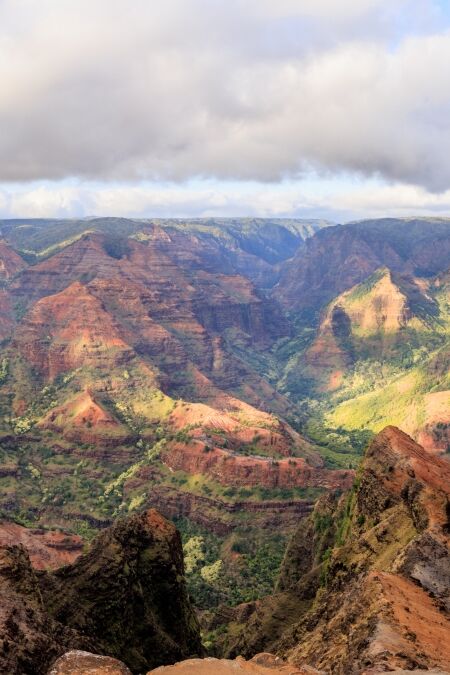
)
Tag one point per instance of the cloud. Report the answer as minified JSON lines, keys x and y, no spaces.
{"x":250,"y":90}
{"x":338,"y":200}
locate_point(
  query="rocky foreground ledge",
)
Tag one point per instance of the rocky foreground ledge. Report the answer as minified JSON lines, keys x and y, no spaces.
{"x":83,"y":663}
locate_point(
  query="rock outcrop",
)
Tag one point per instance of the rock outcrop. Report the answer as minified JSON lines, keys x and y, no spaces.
{"x":384,"y":603}
{"x":30,"y":639}
{"x":125,"y":598}
{"x":128,"y":592}
{"x":232,"y":469}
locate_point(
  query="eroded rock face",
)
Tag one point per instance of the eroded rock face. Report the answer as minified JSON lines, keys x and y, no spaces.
{"x":10,"y":262}
{"x":54,"y":341}
{"x":153,"y":304}
{"x":155,"y":279}
{"x":232,"y":469}
{"x":47,"y":549}
{"x":125,"y":598}
{"x":83,"y":420}
{"x":373,"y":317}
{"x":97,"y":305}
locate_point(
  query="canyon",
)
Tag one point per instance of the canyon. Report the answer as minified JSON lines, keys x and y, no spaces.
{"x":230,"y":373}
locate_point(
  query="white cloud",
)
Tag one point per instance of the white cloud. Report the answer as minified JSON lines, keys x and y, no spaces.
{"x":339,"y":200}
{"x":41,"y":202}
{"x":243,"y":89}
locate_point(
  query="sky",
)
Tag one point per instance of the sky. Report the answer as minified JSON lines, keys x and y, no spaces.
{"x":335,"y":109}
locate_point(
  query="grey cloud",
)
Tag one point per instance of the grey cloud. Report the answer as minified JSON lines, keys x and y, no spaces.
{"x":243,"y":89}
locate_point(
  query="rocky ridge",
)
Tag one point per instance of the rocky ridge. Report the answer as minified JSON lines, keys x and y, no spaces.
{"x":385,"y":602}
{"x":232,"y":469}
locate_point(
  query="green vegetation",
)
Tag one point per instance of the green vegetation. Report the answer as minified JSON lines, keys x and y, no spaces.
{"x":341,"y":448}
{"x":365,"y":287}
{"x":402,"y":401}
{"x":4,"y":369}
{"x":239,"y":567}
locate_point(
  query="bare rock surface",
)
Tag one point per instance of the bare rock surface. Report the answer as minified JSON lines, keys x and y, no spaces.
{"x":84,"y":663}
{"x":261,"y":664}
